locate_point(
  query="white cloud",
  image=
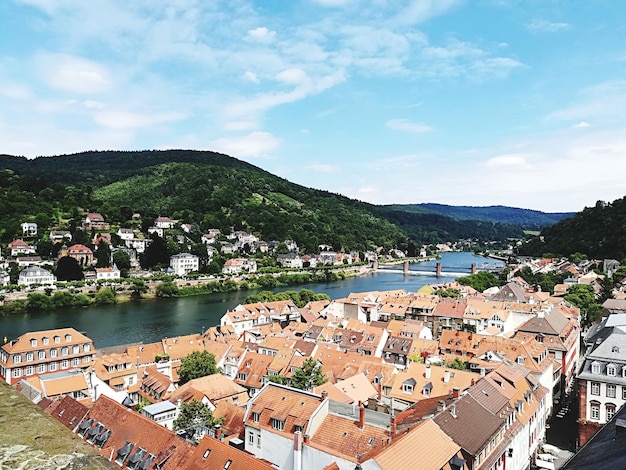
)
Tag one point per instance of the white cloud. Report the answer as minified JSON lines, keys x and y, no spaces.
{"x":324,"y":168}
{"x":251,"y":77}
{"x":255,"y":144}
{"x":332,"y":3}
{"x":510,"y":162}
{"x":293,"y":76}
{"x":582,"y":124}
{"x":15,"y":91}
{"x":408,"y":126}
{"x":261,"y":34}
{"x":93,"y":104}
{"x":126,"y":120}
{"x":544,"y":26}
{"x":74,"y":74}
{"x":240,"y":125}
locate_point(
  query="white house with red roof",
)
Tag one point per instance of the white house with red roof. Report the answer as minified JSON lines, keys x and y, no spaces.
{"x":20,"y":247}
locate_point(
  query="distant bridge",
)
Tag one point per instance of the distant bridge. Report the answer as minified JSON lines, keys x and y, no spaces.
{"x":437,"y":270}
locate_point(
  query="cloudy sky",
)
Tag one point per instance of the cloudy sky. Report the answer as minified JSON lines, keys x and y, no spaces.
{"x":485,"y":102}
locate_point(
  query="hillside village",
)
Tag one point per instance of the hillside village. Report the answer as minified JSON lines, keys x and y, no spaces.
{"x":96,"y":251}
{"x":458,"y":383}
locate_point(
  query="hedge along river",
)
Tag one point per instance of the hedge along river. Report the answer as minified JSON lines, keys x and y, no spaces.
{"x":149,"y":321}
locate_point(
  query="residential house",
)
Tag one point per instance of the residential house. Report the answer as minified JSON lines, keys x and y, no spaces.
{"x":93,"y":220}
{"x":60,"y":236}
{"x":5,"y":278}
{"x":25,"y":261}
{"x":448,"y":314}
{"x":211,"y":390}
{"x":423,"y":381}
{"x":29,"y":229}
{"x":239,"y":265}
{"x":56,"y":385}
{"x":155,"y":386}
{"x":45,"y":351}
{"x":36,"y":275}
{"x":163,"y":413}
{"x":290,"y":261}
{"x":106,"y":274}
{"x":125,"y":234}
{"x":157,"y":230}
{"x":184,"y":263}
{"x":20,"y":247}
{"x":601,"y":384}
{"x":80,"y":253}
{"x":164,"y":223}
{"x":561,"y":336}
{"x":117,"y":370}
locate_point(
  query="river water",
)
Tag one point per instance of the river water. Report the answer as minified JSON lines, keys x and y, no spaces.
{"x":152,"y":320}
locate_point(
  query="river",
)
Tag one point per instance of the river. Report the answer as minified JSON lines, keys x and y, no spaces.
{"x":152,"y":320}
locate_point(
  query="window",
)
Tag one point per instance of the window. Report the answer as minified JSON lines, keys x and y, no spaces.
{"x":57,"y":339}
{"x":611,"y":370}
{"x":41,"y":368}
{"x":33,"y":342}
{"x":65,"y":351}
{"x":45,"y":341}
{"x":30,"y":370}
{"x":29,"y":356}
{"x":86,"y":347}
{"x":17,"y":372}
{"x":278,"y":424}
{"x":41,"y":355}
{"x":17,"y":358}
{"x":65,"y":364}
{"x":75,"y":349}
{"x":595,"y":388}
{"x":623,"y":393}
{"x":251,"y":438}
{"x":131,"y":380}
{"x":76,"y":361}
{"x":68,"y":338}
{"x":595,"y":368}
{"x":611,"y":390}
{"x":610,"y":411}
{"x":52,"y":366}
{"x":227,"y":464}
{"x":53,"y":353}
{"x":256,"y":416}
{"x":595,"y":410}
{"x":206,"y":454}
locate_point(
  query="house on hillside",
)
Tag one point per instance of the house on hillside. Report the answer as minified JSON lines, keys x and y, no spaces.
{"x":29,"y":229}
{"x":36,"y":275}
{"x":96,"y":221}
{"x":20,"y":247}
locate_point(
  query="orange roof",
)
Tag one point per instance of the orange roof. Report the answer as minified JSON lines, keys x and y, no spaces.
{"x":182,"y":346}
{"x":215,"y":387}
{"x":426,"y":442}
{"x":213,"y":454}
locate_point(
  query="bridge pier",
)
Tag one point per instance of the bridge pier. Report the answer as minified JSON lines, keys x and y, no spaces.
{"x":474,"y":270}
{"x":405,"y":267}
{"x":438,"y":271}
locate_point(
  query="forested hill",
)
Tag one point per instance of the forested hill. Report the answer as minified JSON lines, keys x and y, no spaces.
{"x":210,"y":190}
{"x":598,"y":232}
{"x":526,"y":218}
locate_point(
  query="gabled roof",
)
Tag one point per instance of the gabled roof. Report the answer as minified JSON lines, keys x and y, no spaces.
{"x":67,"y":411}
{"x":213,"y":454}
{"x":23,"y":343}
{"x":215,"y":387}
{"x":425,"y":447}
{"x":467,"y":414}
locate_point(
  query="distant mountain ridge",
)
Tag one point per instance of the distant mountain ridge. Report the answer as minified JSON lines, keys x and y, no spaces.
{"x":209,"y":189}
{"x":526,"y":218}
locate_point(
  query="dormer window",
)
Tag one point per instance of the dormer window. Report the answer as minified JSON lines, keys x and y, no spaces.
{"x":45,"y":341}
{"x":256,"y":416}
{"x":57,"y":339}
{"x":595,"y":367}
{"x":611,"y":370}
{"x":68,"y":338}
{"x":278,"y":424}
{"x":33,"y":342}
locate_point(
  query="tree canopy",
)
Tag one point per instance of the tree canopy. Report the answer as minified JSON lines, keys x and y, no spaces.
{"x":68,"y":269}
{"x":197,"y":364}
{"x":194,"y":415}
{"x":309,"y":375}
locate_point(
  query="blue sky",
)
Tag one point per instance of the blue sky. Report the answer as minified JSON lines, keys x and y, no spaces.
{"x":484,"y":102}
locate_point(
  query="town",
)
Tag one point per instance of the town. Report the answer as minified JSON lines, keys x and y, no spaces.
{"x":376,"y":380}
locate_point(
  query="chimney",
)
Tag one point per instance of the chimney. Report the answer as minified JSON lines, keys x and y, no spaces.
{"x":218,"y":432}
{"x":393,"y":426}
{"x":297,"y":450}
{"x":427,"y":374}
{"x":453,"y":410}
{"x":324,"y":395}
{"x":380,"y":391}
{"x":473,"y":382}
{"x":441,"y":405}
{"x":455,"y":392}
{"x":446,"y":376}
{"x":361,"y":416}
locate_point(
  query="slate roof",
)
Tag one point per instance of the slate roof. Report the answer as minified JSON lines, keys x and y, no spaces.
{"x":469,"y":415}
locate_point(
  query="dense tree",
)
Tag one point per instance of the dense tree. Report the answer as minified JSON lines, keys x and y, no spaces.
{"x":103,"y":255}
{"x":167,"y":289}
{"x":309,"y":375}
{"x":37,"y":301}
{"x":195,"y":415}
{"x":121,"y":259}
{"x":480,"y":281}
{"x":197,"y":364}
{"x":106,"y":295}
{"x":68,"y":269}
{"x":583,"y":297}
{"x":156,"y":253}
{"x":278,"y":379}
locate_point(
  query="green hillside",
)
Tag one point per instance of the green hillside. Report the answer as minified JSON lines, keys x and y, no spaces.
{"x":212,"y":190}
{"x":598,"y":232}
{"x":525,"y":218}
